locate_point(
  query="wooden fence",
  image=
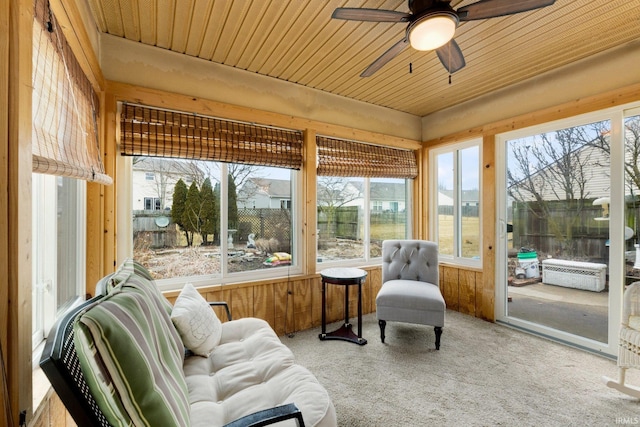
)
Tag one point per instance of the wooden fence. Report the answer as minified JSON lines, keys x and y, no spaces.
{"x":339,"y":222}
{"x":565,"y":229}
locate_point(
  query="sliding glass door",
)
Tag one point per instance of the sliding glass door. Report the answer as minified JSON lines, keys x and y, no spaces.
{"x":568,"y":213}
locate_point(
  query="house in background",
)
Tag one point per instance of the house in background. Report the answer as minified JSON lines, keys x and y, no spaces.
{"x":470,"y":198}
{"x":154,"y":180}
{"x":383,"y":196}
{"x":388,"y":197}
{"x":260,"y":193}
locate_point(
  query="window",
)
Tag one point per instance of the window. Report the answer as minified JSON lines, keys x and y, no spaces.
{"x":392,"y":221}
{"x":217,"y":221}
{"x":455,"y":189}
{"x":59,"y":229}
{"x":149,"y":176}
{"x":152,"y":203}
{"x":346,"y":229}
{"x":362,"y":198}
{"x":340,"y":218}
{"x":220,"y":184}
{"x":559,"y":181}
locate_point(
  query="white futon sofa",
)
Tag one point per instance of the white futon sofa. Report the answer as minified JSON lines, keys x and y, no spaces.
{"x":135,"y":359}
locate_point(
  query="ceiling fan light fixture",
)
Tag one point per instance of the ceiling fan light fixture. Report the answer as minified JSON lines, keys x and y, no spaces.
{"x":432,"y":31}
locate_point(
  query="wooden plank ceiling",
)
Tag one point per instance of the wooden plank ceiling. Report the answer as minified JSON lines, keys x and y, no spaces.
{"x":297,"y":41}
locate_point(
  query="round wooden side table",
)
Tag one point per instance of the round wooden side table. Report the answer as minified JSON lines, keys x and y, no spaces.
{"x":345,"y":277}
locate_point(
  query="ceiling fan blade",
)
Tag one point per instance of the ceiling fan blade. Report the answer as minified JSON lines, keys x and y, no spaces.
{"x":391,"y":53}
{"x":493,"y":8}
{"x":451,"y":56}
{"x":369,"y":15}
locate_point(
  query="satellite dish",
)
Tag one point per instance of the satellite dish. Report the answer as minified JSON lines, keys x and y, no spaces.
{"x":162,"y":221}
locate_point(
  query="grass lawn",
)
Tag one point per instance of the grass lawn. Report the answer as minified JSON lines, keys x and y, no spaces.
{"x":470,"y":235}
{"x":387,"y":231}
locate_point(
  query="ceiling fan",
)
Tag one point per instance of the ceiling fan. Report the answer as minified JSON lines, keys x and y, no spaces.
{"x":432,"y":24}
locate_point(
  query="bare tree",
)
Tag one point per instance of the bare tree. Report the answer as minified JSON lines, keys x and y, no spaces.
{"x":241,"y":174}
{"x":194,"y":170}
{"x":632,"y":153}
{"x":332,"y":193}
{"x":167,"y":171}
{"x":631,"y":164}
{"x":550,"y":169}
{"x":631,"y":150}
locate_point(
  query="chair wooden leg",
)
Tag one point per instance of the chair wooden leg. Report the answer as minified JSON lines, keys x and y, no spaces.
{"x":438,"y":331}
{"x":382,"y":324}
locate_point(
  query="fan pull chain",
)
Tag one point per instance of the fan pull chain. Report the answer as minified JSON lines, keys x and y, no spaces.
{"x":410,"y":68}
{"x":449,"y":63}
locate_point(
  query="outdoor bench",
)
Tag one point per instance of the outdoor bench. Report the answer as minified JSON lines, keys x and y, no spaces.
{"x":130,"y":357}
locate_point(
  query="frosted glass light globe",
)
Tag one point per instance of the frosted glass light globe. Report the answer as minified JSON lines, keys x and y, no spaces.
{"x":432,"y":32}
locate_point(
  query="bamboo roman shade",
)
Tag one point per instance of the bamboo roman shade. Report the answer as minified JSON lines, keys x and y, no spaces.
{"x":337,"y":157}
{"x":146,"y":131}
{"x":64,"y":106}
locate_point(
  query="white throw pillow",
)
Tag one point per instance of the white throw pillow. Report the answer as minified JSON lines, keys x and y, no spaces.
{"x":196,"y":322}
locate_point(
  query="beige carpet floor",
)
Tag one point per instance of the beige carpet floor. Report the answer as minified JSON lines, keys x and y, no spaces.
{"x":484,"y":375}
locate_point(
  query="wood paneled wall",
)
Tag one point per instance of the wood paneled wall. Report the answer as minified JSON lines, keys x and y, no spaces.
{"x":462,"y":289}
{"x":291,"y":305}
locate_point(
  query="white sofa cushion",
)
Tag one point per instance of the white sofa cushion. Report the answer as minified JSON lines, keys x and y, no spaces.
{"x":248,"y":371}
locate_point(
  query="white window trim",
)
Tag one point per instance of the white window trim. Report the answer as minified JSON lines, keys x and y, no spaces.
{"x":44,"y":266}
{"x":368,"y":261}
{"x":124,"y":246}
{"x":433,"y":199}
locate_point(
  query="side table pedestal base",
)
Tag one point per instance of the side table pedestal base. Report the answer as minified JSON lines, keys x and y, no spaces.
{"x":344,"y":333}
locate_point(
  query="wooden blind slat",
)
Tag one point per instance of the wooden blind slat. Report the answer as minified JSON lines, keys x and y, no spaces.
{"x":337,"y":157}
{"x":147,"y":131}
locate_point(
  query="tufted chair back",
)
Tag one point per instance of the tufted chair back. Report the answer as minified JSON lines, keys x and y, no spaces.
{"x":410,"y":260}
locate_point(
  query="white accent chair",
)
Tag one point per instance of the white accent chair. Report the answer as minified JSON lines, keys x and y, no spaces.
{"x":410,"y":290}
{"x":629,"y":344}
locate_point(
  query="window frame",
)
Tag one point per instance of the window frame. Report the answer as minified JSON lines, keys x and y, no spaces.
{"x":45,"y":242}
{"x":154,"y":202}
{"x":433,"y":154}
{"x":124,"y":246}
{"x":367,"y":259}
